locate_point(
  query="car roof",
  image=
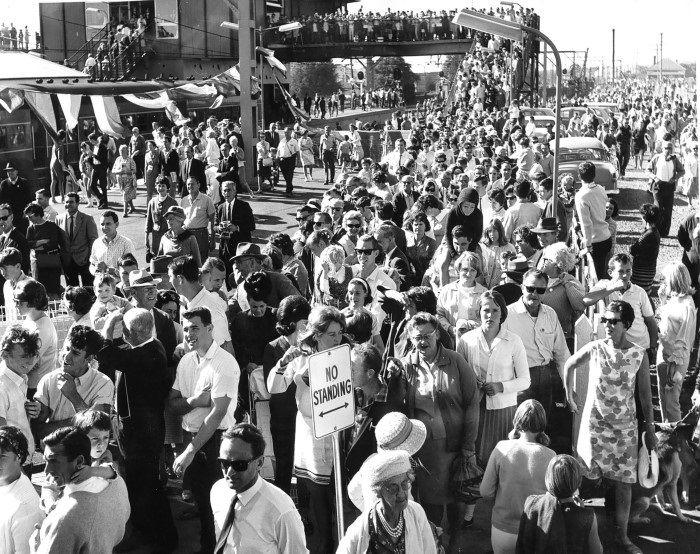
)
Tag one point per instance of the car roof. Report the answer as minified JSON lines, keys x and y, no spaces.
{"x":578,"y":142}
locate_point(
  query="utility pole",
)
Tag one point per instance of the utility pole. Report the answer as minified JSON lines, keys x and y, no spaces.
{"x":661,"y":60}
{"x":613,"y":58}
{"x":544,"y":81}
{"x":246,"y":51}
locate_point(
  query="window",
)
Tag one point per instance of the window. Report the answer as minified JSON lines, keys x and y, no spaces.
{"x":167,"y":19}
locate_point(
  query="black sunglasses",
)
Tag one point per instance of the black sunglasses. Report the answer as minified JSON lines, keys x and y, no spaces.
{"x":301,"y":218}
{"x":538,"y":290}
{"x":318,"y":223}
{"x":614,"y":320}
{"x":236,"y":465}
{"x":5,"y":218}
{"x":366,"y":251}
{"x":353,"y":225}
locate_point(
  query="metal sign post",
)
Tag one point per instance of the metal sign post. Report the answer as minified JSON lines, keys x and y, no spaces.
{"x":332,"y":408}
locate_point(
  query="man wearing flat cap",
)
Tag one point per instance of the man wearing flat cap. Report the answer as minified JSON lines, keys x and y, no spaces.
{"x":17,"y":192}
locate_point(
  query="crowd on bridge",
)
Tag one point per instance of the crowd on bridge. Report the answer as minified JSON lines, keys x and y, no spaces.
{"x":445,"y":264}
{"x":392,"y":26}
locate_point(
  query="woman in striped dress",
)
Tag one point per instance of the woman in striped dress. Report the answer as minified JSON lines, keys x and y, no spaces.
{"x":498,"y":358}
{"x":645,"y":250}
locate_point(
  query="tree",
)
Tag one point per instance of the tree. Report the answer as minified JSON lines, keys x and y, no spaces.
{"x":451,"y":65}
{"x":310,"y":78}
{"x":384,"y":72}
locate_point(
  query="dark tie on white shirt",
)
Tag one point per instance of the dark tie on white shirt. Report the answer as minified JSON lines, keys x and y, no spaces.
{"x":226,"y":527}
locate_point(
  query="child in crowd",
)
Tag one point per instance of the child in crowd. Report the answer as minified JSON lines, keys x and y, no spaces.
{"x":97,"y":427}
{"x":275,"y":169}
{"x":125,"y":265}
{"x":107,"y":302}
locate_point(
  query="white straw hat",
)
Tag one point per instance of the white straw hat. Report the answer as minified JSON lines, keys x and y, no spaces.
{"x":396,"y":432}
{"x":385,"y":465}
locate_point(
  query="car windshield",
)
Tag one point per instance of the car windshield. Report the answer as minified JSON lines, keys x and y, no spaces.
{"x":581,"y":154}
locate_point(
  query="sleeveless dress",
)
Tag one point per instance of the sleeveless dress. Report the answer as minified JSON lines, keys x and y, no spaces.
{"x":607,"y":442}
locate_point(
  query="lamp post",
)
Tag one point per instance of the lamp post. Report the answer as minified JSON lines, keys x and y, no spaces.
{"x":515,"y":31}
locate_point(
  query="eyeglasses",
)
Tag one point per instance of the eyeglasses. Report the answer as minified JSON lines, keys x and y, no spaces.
{"x":612,"y":320}
{"x":538,"y":290}
{"x":318,"y":223}
{"x":420,"y":338}
{"x":353,"y":225}
{"x":393,"y":488}
{"x":5,"y":218}
{"x":365,"y":251}
{"x":236,"y":465}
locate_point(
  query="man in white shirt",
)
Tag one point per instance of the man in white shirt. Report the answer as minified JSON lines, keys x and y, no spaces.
{"x":523,"y":212}
{"x":252,"y":516}
{"x":205,"y":393}
{"x":11,"y":271}
{"x":327,"y":146}
{"x":20,"y":507}
{"x":75,"y":386}
{"x":41,"y":197}
{"x":287,"y":151}
{"x":367,"y":250}
{"x":664,"y":170}
{"x":111,"y":246}
{"x":201,"y":215}
{"x":539,"y":328}
{"x":398,"y":157}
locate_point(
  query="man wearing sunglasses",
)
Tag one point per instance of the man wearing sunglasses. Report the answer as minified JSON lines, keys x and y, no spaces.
{"x":251,"y":515}
{"x":539,"y":328}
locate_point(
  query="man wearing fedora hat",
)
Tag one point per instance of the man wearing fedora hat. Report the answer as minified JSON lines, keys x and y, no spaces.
{"x":248,"y":259}
{"x":143,"y":289}
{"x":545,"y":190}
{"x":546,"y":231}
{"x":235,"y":223}
{"x":17,"y":192}
{"x":511,"y":288}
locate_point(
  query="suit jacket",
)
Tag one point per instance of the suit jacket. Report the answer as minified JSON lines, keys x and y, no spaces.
{"x":399,"y":234}
{"x":84,"y":234}
{"x":17,"y":239}
{"x":194,"y":168}
{"x":562,"y":231}
{"x":242,"y":215}
{"x":170,"y":162}
{"x":400,"y":205}
{"x":165,"y":333}
{"x":228,"y":170}
{"x":398,"y":261}
{"x":102,"y":156}
{"x":142,"y":384}
{"x":17,"y":195}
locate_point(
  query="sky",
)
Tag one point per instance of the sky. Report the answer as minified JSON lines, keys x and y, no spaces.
{"x":570,"y":25}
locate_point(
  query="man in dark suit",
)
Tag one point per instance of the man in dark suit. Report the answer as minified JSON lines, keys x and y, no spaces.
{"x":235,"y":221}
{"x":17,"y":192}
{"x":228,"y":166}
{"x":143,"y":290}
{"x":142,"y":382}
{"x":404,"y":199}
{"x":12,"y":238}
{"x":170,"y":165}
{"x":100,"y":167}
{"x":191,"y":166}
{"x":374,"y":399}
{"x":80,"y":232}
{"x":395,"y":258}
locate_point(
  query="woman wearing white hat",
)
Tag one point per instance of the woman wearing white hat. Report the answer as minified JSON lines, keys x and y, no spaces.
{"x":394,"y":524}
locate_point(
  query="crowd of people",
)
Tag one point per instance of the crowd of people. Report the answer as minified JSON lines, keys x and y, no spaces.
{"x":392,"y":26}
{"x":13,"y":38}
{"x":446,"y":265}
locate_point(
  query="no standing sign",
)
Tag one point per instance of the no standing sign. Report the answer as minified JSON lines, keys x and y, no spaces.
{"x":332,"y":398}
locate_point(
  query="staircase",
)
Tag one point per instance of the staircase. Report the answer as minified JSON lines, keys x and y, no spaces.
{"x":77,"y":60}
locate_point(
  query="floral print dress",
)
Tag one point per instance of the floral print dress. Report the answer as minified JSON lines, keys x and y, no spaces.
{"x":607,"y":442}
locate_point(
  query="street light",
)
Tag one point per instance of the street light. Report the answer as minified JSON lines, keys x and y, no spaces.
{"x":515,"y":31}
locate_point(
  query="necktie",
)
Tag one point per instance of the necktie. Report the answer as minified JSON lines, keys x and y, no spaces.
{"x":230,"y":210}
{"x":226,"y":527}
{"x":70,"y":228}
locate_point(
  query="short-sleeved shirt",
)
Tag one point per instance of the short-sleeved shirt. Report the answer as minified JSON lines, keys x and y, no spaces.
{"x":217,"y":372}
{"x":13,"y":394}
{"x":199,"y":211}
{"x":48,"y":350}
{"x":94,"y":388}
{"x":639,"y":300}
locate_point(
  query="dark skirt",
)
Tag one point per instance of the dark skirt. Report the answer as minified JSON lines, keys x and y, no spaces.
{"x":494,"y":426}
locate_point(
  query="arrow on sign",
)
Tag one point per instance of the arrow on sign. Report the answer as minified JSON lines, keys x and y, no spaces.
{"x":334,"y":409}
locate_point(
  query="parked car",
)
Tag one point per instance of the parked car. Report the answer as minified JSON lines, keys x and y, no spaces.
{"x":574,"y":150}
{"x":567,"y":113}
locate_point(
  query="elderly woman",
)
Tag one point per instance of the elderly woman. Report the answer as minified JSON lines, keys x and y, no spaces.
{"x":312,"y":457}
{"x":499,"y":361}
{"x":558,"y":521}
{"x":332,"y":281}
{"x":564,"y":292}
{"x":677,"y":318}
{"x":516,"y":469}
{"x":178,"y":241}
{"x":443,"y":394}
{"x":32,"y":303}
{"x":77,"y":301}
{"x":607,"y":440}
{"x":394,"y":524}
{"x":47,"y":243}
{"x":422,"y":248}
{"x":458,"y":302}
{"x":124,"y":170}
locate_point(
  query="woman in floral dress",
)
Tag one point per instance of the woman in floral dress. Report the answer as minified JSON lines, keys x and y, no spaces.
{"x":124,"y":170}
{"x":607,"y":441}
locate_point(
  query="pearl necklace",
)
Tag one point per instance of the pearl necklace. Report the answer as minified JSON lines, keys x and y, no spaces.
{"x":394,"y":532}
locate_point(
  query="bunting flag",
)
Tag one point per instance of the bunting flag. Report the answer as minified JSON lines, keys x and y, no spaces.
{"x":269,"y":57}
{"x":296,"y":110}
{"x":70,"y":104}
{"x":11,"y":98}
{"x":41,"y":105}
{"x":107,"y":115}
{"x":174,"y":114}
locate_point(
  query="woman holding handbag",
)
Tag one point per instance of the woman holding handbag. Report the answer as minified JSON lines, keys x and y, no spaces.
{"x":124,"y":169}
{"x":47,"y":243}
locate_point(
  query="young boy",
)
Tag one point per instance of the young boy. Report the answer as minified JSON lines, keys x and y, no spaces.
{"x":107,"y":302}
{"x":126,"y":264}
{"x":214,"y":277}
{"x":97,"y":427}
{"x":11,"y":270}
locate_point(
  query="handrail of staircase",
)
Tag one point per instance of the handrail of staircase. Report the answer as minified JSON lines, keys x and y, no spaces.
{"x":77,"y":60}
{"x":122,"y":65}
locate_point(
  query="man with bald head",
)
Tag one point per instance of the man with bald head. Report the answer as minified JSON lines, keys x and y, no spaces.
{"x":142,"y":382}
